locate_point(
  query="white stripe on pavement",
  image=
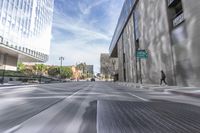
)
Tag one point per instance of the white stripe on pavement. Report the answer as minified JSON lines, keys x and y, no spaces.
{"x":143,"y":99}
{"x":13,"y":129}
{"x":55,"y":108}
{"x":17,"y":86}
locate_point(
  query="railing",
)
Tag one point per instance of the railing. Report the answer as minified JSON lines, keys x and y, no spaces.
{"x":178,"y":19}
{"x":170,"y":2}
{"x":32,"y":53}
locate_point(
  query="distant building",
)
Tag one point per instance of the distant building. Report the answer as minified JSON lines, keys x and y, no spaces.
{"x":25,"y":31}
{"x":109,"y":66}
{"x":76,"y":73}
{"x":90,"y":69}
{"x":169,"y":31}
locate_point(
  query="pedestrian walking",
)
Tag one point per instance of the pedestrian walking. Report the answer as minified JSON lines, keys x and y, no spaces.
{"x":163,"y":78}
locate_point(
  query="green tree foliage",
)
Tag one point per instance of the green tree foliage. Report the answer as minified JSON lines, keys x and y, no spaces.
{"x":28,"y":72}
{"x":66,"y":72}
{"x":21,"y":67}
{"x":53,"y":71}
{"x":24,"y":70}
{"x":40,"y":69}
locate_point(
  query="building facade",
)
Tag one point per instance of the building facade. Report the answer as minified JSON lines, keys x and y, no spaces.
{"x":90,"y":69}
{"x":25,"y":31}
{"x":169,"y":31}
{"x":109,"y":66}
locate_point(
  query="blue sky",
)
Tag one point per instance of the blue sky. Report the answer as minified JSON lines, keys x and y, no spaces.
{"x":82,"y":29}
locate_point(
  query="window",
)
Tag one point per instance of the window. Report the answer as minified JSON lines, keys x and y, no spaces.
{"x":178,"y":8}
{"x":1,"y":3}
{"x":17,"y":3}
{"x":3,"y":20}
{"x":24,"y":7}
{"x":21,"y":4}
{"x":6,"y":4}
{"x":177,"y":16}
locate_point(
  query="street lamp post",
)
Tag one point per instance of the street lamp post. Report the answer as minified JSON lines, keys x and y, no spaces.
{"x":61,"y":61}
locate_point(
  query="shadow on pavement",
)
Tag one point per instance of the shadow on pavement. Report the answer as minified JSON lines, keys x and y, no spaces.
{"x":89,"y":119}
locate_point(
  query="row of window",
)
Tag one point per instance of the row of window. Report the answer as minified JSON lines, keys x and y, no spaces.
{"x":16,"y":18}
{"x":10,"y":12}
{"x":30,"y":52}
{"x":42,"y":15}
{"x":23,"y":24}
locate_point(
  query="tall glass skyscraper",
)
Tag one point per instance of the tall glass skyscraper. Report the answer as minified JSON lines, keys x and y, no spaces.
{"x":25,"y":27}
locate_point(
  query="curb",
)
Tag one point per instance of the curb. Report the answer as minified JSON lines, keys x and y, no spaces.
{"x":195,"y":95}
{"x":13,"y":85}
{"x":2,"y":86}
{"x":185,"y":94}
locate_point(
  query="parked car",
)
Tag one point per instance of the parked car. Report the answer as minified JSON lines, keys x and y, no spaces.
{"x":92,"y":80}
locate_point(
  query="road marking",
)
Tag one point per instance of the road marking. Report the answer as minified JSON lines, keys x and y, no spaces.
{"x":19,"y":127}
{"x":143,"y":99}
{"x":16,"y":87}
{"x":13,"y":129}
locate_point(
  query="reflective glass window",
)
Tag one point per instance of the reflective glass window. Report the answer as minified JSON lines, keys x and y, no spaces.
{"x":21,"y":4}
{"x":6,"y":4}
{"x":1,"y":4}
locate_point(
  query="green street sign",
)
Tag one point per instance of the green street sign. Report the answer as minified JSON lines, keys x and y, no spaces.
{"x":142,"y":54}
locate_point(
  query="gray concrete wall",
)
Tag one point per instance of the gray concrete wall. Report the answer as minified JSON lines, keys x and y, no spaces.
{"x":174,"y":50}
{"x":126,"y":45}
{"x":11,"y":62}
{"x":129,"y":52}
{"x":126,"y":52}
{"x":109,"y":66}
{"x":156,"y":40}
{"x":186,"y":51}
{"x":120,"y":60}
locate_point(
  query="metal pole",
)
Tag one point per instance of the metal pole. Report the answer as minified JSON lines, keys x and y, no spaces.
{"x":136,"y":67}
{"x":4,"y":63}
{"x":140,"y":65}
{"x":61,"y":60}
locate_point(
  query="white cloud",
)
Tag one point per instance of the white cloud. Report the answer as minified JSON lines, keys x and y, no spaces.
{"x":88,"y":40}
{"x":87,"y":7}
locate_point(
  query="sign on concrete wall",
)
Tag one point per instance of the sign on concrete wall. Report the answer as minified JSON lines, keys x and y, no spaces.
{"x":142,"y":54}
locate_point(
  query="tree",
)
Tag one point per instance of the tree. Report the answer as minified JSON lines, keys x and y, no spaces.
{"x":28,"y":72}
{"x":53,"y":71}
{"x":21,"y":67}
{"x":40,"y":69}
{"x":66,"y":72}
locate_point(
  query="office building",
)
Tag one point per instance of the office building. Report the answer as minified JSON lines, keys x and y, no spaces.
{"x":168,"y":30}
{"x":25,"y":31}
{"x":109,"y":66}
{"x":90,"y":69}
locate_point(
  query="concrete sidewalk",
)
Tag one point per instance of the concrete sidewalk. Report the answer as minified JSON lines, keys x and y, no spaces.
{"x":13,"y":83}
{"x":187,"y":91}
{"x":6,"y":84}
{"x":194,"y":92}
